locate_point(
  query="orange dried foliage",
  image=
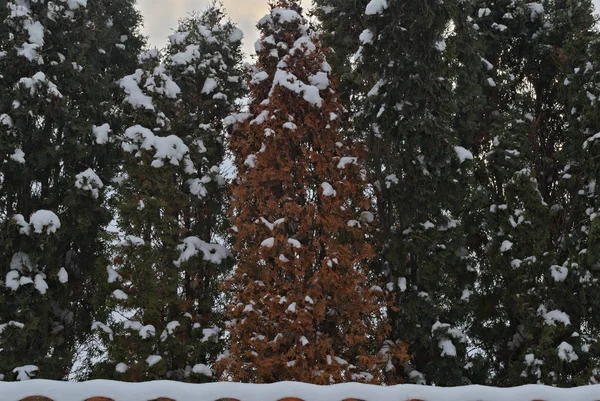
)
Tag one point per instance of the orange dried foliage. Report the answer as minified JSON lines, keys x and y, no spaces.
{"x":320,"y":242}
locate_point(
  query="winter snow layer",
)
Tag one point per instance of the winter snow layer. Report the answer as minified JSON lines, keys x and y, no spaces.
{"x":120,"y":391}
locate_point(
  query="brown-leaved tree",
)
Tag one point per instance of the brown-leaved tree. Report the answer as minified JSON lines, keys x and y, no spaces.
{"x":303,"y":307}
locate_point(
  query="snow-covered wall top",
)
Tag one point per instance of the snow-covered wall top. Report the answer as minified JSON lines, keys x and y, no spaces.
{"x":118,"y":391}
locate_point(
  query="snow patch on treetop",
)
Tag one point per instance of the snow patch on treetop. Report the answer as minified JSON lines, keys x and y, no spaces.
{"x":366,"y":37}
{"x":448,"y":349}
{"x":328,"y":189}
{"x":75,"y":4}
{"x":21,"y":262}
{"x":12,"y":323}
{"x":537,"y":9}
{"x":559,"y":273}
{"x":191,"y":246}
{"x":36,"y":32}
{"x":268,"y":243}
{"x":505,"y":246}
{"x":591,"y":139}
{"x":135,"y":96}
{"x":121,"y":367}
{"x":40,"y":220}
{"x":104,"y":328}
{"x":88,"y":180}
{"x":178,"y":37}
{"x":344,"y":161}
{"x":18,"y":156}
{"x":303,"y":42}
{"x":236,"y":35}
{"x":463,"y":154}
{"x":209,"y":85}
{"x":25,"y":372}
{"x":310,"y":93}
{"x":153,"y":360}
{"x":101,"y":133}
{"x":37,"y":82}
{"x":170,"y":147}
{"x":376,"y":7}
{"x":282,"y":15}
{"x":554,"y":316}
{"x":190,"y":54}
{"x":202,"y":369}
{"x":566,"y":353}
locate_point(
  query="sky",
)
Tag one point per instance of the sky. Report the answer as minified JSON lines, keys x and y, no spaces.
{"x":161,"y":16}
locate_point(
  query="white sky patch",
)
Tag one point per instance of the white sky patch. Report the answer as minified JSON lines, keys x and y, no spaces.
{"x":161,"y":16}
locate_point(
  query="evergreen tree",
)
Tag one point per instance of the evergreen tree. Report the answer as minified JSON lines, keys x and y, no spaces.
{"x":532,"y":190}
{"x":523,"y":99}
{"x":303,"y":307}
{"x":405,"y":107}
{"x":58,"y":65}
{"x":170,"y":203}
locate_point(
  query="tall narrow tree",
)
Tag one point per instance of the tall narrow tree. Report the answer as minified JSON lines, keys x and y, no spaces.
{"x":58,"y":65}
{"x":302,"y":305}
{"x":532,"y":190}
{"x":170,"y":206}
{"x":405,"y":105}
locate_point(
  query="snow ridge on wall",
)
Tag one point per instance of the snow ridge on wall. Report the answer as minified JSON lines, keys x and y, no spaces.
{"x":105,"y":390}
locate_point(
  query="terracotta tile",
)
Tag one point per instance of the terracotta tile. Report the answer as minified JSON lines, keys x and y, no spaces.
{"x":37,"y":398}
{"x":99,"y":399}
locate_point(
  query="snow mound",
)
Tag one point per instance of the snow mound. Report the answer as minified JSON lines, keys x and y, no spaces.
{"x":121,"y":391}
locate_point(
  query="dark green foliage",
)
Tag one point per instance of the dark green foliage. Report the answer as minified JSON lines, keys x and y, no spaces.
{"x":341,"y":25}
{"x":58,"y":67}
{"x":532,"y":189}
{"x":405,"y":108}
{"x":516,"y":83}
{"x":171,"y":201}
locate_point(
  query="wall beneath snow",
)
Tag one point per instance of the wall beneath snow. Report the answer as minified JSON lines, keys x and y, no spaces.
{"x":102,"y":390}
